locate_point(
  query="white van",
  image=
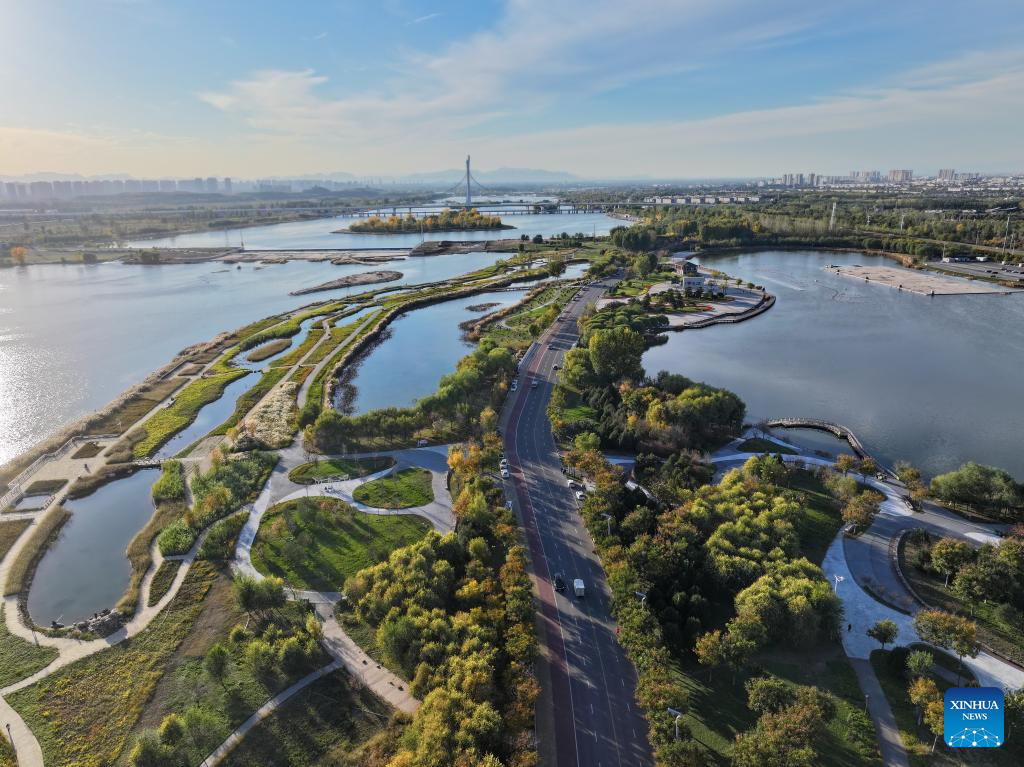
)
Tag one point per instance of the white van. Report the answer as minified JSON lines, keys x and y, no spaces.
{"x":578,"y":588}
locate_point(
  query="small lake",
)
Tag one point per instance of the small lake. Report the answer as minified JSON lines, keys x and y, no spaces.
{"x":86,"y":570}
{"x":319,"y":233}
{"x":932,"y":380}
{"x":420,"y":347}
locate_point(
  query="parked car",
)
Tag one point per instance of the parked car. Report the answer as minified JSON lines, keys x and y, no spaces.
{"x":580,"y":496}
{"x":504,"y":474}
{"x":422,"y":442}
{"x":578,"y":588}
{"x":559,"y":582}
{"x":534,"y":384}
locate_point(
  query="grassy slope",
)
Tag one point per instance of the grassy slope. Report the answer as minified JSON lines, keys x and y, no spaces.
{"x":83,"y":713}
{"x":407,"y":488}
{"x":350,"y":467}
{"x":918,"y":740}
{"x":10,"y":531}
{"x":343,"y":541}
{"x":1004,"y":637}
{"x":329,"y":722}
{"x":718,"y":710}
{"x":18,"y":658}
{"x":822,"y":516}
{"x":163,"y":579}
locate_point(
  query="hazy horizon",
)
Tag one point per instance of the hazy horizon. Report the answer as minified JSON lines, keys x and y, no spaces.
{"x":658,"y":89}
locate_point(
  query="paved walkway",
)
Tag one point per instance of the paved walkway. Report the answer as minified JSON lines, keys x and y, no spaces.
{"x":861,"y":610}
{"x":268,"y":708}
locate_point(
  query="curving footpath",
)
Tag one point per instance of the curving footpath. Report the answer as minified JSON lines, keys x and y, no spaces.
{"x":861,"y":609}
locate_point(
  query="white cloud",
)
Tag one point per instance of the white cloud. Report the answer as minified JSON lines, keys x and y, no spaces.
{"x":423,"y":19}
{"x":538,"y":52}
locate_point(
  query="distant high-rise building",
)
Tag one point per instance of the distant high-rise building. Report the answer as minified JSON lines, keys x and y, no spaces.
{"x":901,"y":176}
{"x":168,"y":185}
{"x":227,"y":186}
{"x":211,"y":184}
{"x":947,"y":174}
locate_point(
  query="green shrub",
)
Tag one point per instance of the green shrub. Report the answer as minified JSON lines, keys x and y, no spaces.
{"x":171,"y":485}
{"x":220,"y":541}
{"x":176,"y":538}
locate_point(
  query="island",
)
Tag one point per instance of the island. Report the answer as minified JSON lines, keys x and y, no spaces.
{"x":445,"y":221}
{"x":363,"y":278}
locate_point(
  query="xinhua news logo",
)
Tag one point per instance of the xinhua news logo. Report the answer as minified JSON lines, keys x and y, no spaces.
{"x":974,"y":717}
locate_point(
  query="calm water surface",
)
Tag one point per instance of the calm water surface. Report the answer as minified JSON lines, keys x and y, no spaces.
{"x":73,"y":337}
{"x":86,"y":569}
{"x":933,"y":380}
{"x":319,"y":233}
{"x":421,"y":346}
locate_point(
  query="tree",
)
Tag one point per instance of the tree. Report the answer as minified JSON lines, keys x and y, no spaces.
{"x":845,"y":463}
{"x":921,"y":692}
{"x":884,"y":631}
{"x":867,"y":466}
{"x":768,"y":693}
{"x":949,"y":555}
{"x":984,"y":488}
{"x":18,"y":254}
{"x":587,"y":441}
{"x":1013,"y":710}
{"x":935,"y":718}
{"x":948,"y":631}
{"x":860,"y":510}
{"x":919,"y":663}
{"x":616,"y":353}
{"x":717,"y":648}
{"x":216,"y":663}
{"x":974,"y":583}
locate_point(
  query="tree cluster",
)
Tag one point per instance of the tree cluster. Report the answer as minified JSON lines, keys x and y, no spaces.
{"x":445,"y":221}
{"x":984,"y":489}
{"x":454,"y":614}
{"x":479,"y":384}
{"x":726,"y":549}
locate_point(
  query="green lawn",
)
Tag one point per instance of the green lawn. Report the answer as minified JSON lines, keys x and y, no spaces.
{"x":18,"y":658}
{"x":317,"y":543}
{"x":349,"y":468}
{"x":918,"y":740}
{"x":329,"y":722}
{"x":718,"y":710}
{"x":407,"y":488}
{"x":821,"y":518}
{"x":758,"y":445}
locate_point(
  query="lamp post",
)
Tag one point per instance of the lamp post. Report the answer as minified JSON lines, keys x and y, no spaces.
{"x":837,"y":579}
{"x":678,"y":716}
{"x":608,"y":517}
{"x":643,"y":597}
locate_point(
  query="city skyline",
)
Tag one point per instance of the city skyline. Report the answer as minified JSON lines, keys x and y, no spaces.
{"x":663,"y":89}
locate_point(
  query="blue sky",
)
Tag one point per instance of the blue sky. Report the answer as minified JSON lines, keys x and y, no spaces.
{"x":664,"y":88}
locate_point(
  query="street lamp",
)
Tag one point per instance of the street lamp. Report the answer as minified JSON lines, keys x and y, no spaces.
{"x":678,"y":715}
{"x":838,"y":579}
{"x":609,"y":518}
{"x":643,"y":597}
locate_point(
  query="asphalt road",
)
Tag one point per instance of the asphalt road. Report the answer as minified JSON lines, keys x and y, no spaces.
{"x":597,"y":722}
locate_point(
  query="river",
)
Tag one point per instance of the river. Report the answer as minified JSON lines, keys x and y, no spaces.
{"x":319,"y":233}
{"x":932,"y":380}
{"x":73,"y":337}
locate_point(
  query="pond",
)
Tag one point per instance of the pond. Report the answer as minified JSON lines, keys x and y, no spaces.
{"x":927,"y":379}
{"x":85,"y":570}
{"x":419,"y":348}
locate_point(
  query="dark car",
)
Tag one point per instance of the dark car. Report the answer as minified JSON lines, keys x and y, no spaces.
{"x":559,"y":582}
